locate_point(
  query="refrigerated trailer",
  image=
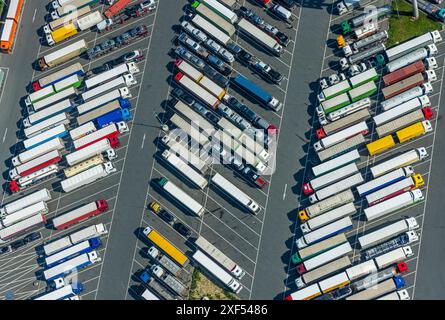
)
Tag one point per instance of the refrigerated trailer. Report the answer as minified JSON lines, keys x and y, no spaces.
{"x":100,"y":147}
{"x":402,"y":109}
{"x":126,"y":80}
{"x":123,"y":93}
{"x":180,"y":196}
{"x":323,"y":271}
{"x":25,"y":213}
{"x":345,"y":183}
{"x":35,"y":164}
{"x":61,"y":118}
{"x":82,"y":131}
{"x":128,"y":67}
{"x":25,"y":156}
{"x":379,"y":289}
{"x":398,"y":202}
{"x":328,"y":217}
{"x":186,"y":170}
{"x":58,"y":131}
{"x":326,"y":205}
{"x":325,"y":257}
{"x":75,"y":216}
{"x":76,"y":237}
{"x":393,"y":256}
{"x":327,"y":231}
{"x":382,"y":234}
{"x":49,"y":101}
{"x":318,"y":248}
{"x":70,"y":252}
{"x":220,"y":257}
{"x":197,"y":90}
{"x":216,"y":271}
{"x":221,"y":10}
{"x":63,"y":106}
{"x":40,"y":195}
{"x":87,"y":176}
{"x":329,"y":141}
{"x":329,"y":178}
{"x":71,"y":265}
{"x":235,"y":193}
{"x":21,"y":227}
{"x":119,"y":104}
{"x":63,"y":293}
{"x":325,"y":167}
{"x":214,"y":18}
{"x":413,"y":93}
{"x":402,"y":160}
{"x":110,"y":132}
{"x":413,"y":44}
{"x":384,"y":181}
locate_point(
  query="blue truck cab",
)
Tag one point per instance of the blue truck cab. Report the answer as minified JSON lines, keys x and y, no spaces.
{"x":145,"y":277}
{"x":124,"y":103}
{"x":113,"y":117}
{"x":259,"y":93}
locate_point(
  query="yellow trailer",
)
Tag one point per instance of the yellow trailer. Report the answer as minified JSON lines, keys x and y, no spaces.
{"x":166,"y":246}
{"x":61,"y":34}
{"x":380,"y":145}
{"x":414,"y":130}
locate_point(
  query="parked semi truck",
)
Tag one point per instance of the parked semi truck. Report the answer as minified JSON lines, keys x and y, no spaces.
{"x":328,"y":217}
{"x":110,"y":132}
{"x":403,"y":73}
{"x":327,"y":231}
{"x":416,"y":92}
{"x":382,"y":234}
{"x":400,"y":241}
{"x":398,"y":202}
{"x":406,"y":47}
{"x":415,"y":130}
{"x":166,"y":246}
{"x":330,"y":140}
{"x":325,"y":257}
{"x":125,"y":80}
{"x":384,"y":181}
{"x":79,"y":214}
{"x":32,"y":178}
{"x":330,"y":190}
{"x":408,"y":83}
{"x":260,"y":37}
{"x":71,"y":265}
{"x":326,"y":205}
{"x":180,"y":196}
{"x":217,"y":255}
{"x":362,"y":55}
{"x":216,"y":271}
{"x":264,"y":97}
{"x":128,"y":67}
{"x":345,"y":6}
{"x":402,"y":109}
{"x":106,"y":108}
{"x":35,"y":164}
{"x":318,"y":248}
{"x":62,"y":55}
{"x":100,"y":147}
{"x":87,"y":176}
{"x":37,"y":196}
{"x":379,"y":289}
{"x":70,"y":252}
{"x":170,"y":281}
{"x":348,"y":25}
{"x":341,"y":148}
{"x":329,"y":178}
{"x":83,"y":234}
{"x":342,"y":123}
{"x":363,"y":44}
{"x":425,"y":54}
{"x":328,"y":166}
{"x":402,"y":160}
{"x":164,"y":261}
{"x":25,"y":213}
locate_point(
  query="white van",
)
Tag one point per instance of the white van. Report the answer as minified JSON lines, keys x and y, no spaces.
{"x":282,"y":12}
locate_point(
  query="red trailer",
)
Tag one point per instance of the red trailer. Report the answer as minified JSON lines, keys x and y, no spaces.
{"x":70,"y":218}
{"x":115,"y":8}
{"x":403,"y":85}
{"x":403,"y":73}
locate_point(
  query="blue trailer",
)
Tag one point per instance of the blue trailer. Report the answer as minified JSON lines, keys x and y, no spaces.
{"x":74,"y":264}
{"x":70,"y":252}
{"x":384,"y":181}
{"x":260,"y":94}
{"x":113,"y":117}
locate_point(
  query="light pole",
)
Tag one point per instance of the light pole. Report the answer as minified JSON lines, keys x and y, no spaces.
{"x":415,"y":10}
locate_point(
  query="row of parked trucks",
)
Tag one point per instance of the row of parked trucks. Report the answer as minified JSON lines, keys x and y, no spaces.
{"x":322,"y":259}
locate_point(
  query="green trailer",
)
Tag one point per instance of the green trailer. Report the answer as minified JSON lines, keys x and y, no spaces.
{"x":366,"y":76}
{"x":335,"y":103}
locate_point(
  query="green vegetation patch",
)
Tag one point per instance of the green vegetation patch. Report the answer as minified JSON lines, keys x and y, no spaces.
{"x":203,"y":287}
{"x":402,"y":26}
